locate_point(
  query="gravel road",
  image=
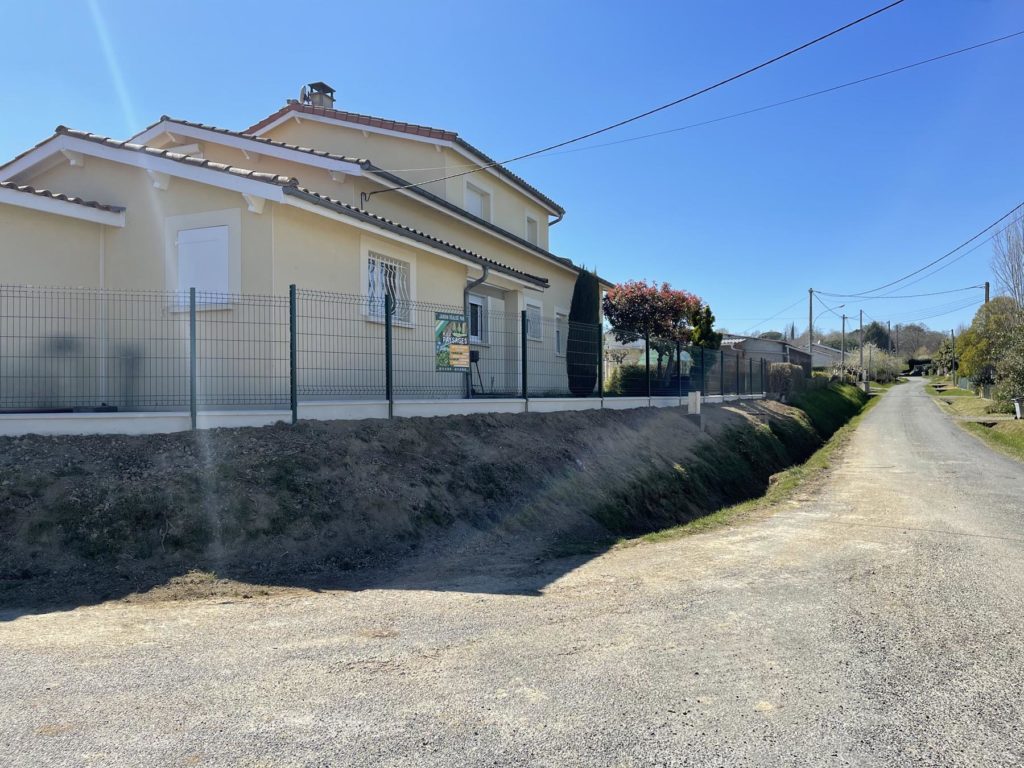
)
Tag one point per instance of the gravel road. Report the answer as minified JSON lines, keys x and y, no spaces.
{"x":877,"y":620}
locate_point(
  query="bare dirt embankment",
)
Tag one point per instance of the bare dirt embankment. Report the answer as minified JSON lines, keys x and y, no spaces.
{"x":86,"y":518}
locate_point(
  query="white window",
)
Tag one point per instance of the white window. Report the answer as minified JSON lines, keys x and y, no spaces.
{"x":203,"y":263}
{"x":388,"y":276}
{"x":478,"y":201}
{"x":478,"y":319}
{"x":534,"y":321}
{"x":561,"y":331}
{"x":531,"y":230}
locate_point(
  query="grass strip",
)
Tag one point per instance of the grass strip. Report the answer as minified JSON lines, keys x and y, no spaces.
{"x":784,"y":487}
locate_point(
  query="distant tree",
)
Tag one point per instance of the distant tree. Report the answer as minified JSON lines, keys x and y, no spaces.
{"x":703,"y":324}
{"x":582,"y":347}
{"x":877,"y":334}
{"x":1008,"y":260}
{"x":985,"y":343}
{"x":773,"y":335}
{"x":944,"y":355}
{"x":1010,"y":372}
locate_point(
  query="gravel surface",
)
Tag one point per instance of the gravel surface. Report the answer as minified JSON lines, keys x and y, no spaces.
{"x":877,"y":620}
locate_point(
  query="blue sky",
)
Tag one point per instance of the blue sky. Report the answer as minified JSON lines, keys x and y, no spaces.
{"x":841,"y":193}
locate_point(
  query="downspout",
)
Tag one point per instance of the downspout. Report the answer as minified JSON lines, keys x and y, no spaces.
{"x":465,"y":310}
{"x":557,"y":219}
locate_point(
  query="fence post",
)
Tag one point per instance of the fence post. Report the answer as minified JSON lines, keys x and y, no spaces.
{"x":703,"y":374}
{"x":293,"y":353}
{"x":600,"y":361}
{"x":389,"y":308}
{"x":192,"y":355}
{"x":679,"y":371}
{"x":523,"y":324}
{"x":647,"y":363}
{"x":721,"y":372}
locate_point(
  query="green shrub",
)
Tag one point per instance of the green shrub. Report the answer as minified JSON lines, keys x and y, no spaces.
{"x":628,"y":380}
{"x":785,"y":379}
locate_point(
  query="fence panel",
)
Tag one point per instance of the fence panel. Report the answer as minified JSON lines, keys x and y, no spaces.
{"x":416,"y":363}
{"x":494,"y":355}
{"x":340,"y":347}
{"x":557,"y":348}
{"x":242,"y":350}
{"x":74,"y":348}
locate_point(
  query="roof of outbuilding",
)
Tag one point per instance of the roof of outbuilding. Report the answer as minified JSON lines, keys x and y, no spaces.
{"x":60,"y":196}
{"x":412,"y":129}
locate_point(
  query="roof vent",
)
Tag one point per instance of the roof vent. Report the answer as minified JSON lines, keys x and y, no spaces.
{"x":317,"y":95}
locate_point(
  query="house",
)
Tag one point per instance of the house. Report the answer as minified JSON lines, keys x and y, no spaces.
{"x":772,"y":350}
{"x":824,"y":356}
{"x":328,"y":200}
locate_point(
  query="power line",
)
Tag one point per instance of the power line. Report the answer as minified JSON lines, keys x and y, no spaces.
{"x":901,"y":296}
{"x":773,"y":317}
{"x":745,"y":112}
{"x":951,"y":262}
{"x":655,"y":110}
{"x":941,"y":258}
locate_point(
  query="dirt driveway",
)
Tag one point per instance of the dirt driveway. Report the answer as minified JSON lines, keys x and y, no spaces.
{"x":879,"y":621}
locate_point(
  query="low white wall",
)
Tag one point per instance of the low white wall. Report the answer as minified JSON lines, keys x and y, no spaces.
{"x":343,"y":410}
{"x":625,"y":403}
{"x":667,"y":402}
{"x":552,"y":404}
{"x":159,"y":422}
{"x":12,"y":425}
{"x":409,"y":408}
{"x":230,"y":419}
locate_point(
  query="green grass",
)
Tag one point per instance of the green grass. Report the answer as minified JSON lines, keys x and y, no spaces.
{"x":784,"y":485}
{"x":829,"y":408}
{"x":1006,"y":436}
{"x":948,"y":391}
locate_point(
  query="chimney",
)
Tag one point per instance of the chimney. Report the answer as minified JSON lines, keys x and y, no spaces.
{"x":318,"y":95}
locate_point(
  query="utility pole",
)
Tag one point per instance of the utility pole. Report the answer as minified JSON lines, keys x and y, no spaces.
{"x":986,"y":291}
{"x":862,"y":345}
{"x":810,"y":323}
{"x":842,"y":352}
{"x":888,"y":325}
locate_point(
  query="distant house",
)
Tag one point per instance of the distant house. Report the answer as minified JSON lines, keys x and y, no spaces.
{"x":772,"y":350}
{"x":824,"y":356}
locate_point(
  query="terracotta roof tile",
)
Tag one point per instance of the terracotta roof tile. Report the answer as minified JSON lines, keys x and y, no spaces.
{"x":262,"y":140}
{"x":271,"y":178}
{"x":391,"y":178}
{"x":60,"y":196}
{"x":351,"y":210}
{"x":290,"y":186}
{"x":410,"y":128}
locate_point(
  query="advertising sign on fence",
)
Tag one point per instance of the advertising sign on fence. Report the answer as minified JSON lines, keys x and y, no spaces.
{"x":451,"y":342}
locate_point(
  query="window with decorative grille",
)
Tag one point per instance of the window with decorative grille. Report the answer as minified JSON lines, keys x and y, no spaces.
{"x":534,"y":326}
{"x":388,"y":276}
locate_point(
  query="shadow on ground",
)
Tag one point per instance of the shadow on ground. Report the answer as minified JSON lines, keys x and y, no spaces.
{"x":491,"y":503}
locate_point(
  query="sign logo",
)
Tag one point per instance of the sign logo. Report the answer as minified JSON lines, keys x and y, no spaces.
{"x":451,"y":342}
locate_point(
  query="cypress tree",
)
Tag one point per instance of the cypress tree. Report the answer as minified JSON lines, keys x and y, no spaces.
{"x":583,"y":344}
